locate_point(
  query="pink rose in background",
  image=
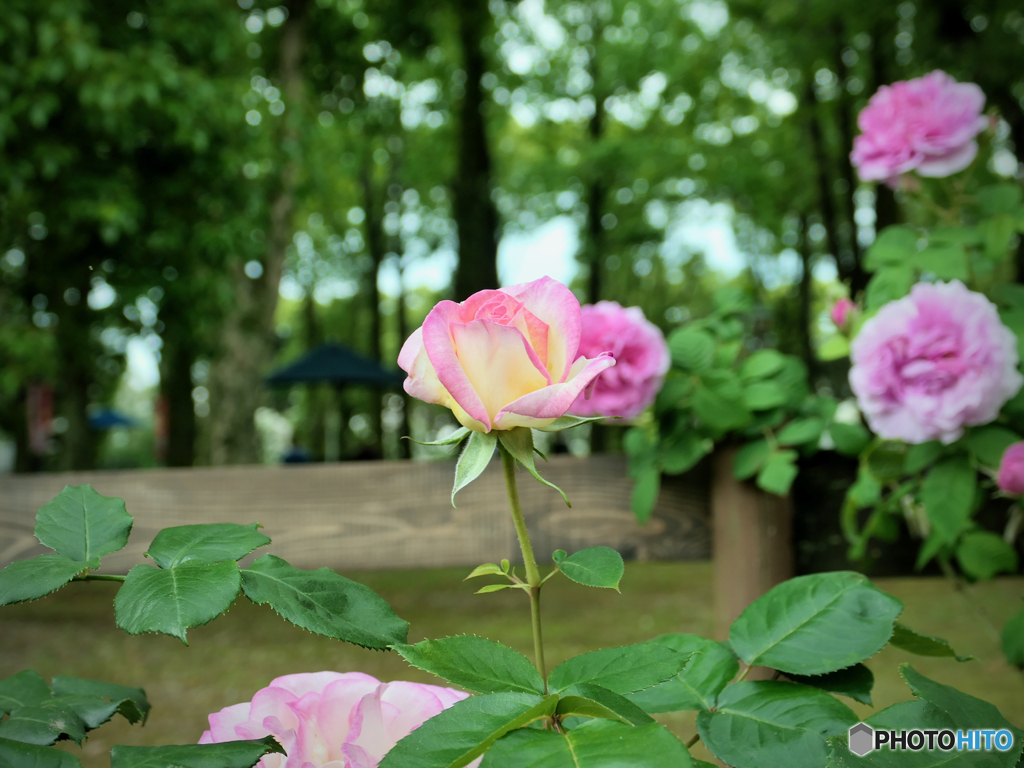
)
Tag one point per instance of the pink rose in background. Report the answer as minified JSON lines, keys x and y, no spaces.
{"x":841,"y":312}
{"x":331,"y":720}
{"x":932,"y":363}
{"x":926,"y":125}
{"x":502,"y":359}
{"x":1011,"y":470}
{"x":641,"y":360}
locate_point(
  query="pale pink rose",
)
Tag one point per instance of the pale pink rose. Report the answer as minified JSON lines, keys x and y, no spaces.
{"x":841,"y":312}
{"x":641,"y":360}
{"x":502,"y":359}
{"x":331,"y":720}
{"x":1011,"y":470}
{"x":932,"y":363}
{"x":926,"y":125}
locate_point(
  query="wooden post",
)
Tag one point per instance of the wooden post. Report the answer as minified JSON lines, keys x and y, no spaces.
{"x":752,"y":541}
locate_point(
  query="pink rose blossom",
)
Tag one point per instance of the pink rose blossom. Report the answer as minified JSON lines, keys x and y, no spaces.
{"x":926,"y":125}
{"x":841,"y":311}
{"x":502,"y":359}
{"x":331,"y":720}
{"x":932,"y":363}
{"x":1011,"y":470}
{"x":641,"y":360}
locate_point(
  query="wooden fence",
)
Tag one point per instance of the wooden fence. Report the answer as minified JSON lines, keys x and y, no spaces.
{"x":382,"y":514}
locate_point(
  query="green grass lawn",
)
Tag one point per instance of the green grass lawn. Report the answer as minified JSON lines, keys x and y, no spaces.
{"x":73,"y":633}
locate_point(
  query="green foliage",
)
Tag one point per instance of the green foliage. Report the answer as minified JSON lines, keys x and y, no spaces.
{"x":474,"y":459}
{"x":212,"y":542}
{"x":18,"y":754}
{"x":623,"y":670}
{"x":474,"y":663}
{"x":325,"y":603}
{"x":31,"y":579}
{"x":592,"y":567}
{"x":907,"y":639}
{"x":81,"y":524}
{"x":227,"y":754}
{"x":855,"y":682}
{"x":983,"y":554}
{"x":1013,"y":639}
{"x":595,"y":701}
{"x":784,"y":629}
{"x":519,"y":443}
{"x":988,"y":443}
{"x":948,"y":495}
{"x":710,"y":668}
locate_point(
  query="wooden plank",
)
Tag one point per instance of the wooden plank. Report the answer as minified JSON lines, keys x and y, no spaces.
{"x":376,"y":515}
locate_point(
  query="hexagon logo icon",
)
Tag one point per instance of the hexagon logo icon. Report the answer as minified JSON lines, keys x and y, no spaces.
{"x":862,"y":739}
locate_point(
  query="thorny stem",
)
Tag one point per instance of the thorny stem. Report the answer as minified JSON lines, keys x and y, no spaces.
{"x":694,"y":740}
{"x":533,"y":577}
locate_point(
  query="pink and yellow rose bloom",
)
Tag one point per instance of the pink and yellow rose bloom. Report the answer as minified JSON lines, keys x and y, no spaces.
{"x":502,"y":359}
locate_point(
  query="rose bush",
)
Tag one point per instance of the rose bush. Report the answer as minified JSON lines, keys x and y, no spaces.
{"x":925,"y":125}
{"x":932,"y":363}
{"x":641,"y":360}
{"x":331,"y":720}
{"x":502,"y":359}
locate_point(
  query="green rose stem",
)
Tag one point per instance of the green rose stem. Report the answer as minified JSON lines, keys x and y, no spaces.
{"x":533,"y":578}
{"x":99,"y":577}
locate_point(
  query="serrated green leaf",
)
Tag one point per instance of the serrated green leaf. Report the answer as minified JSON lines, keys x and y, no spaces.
{"x":43,"y":724}
{"x":211,"y":543}
{"x":692,"y":349}
{"x":750,"y":458}
{"x":762,"y":364}
{"x":812,"y":625}
{"x":988,"y":443}
{"x":778,"y":472}
{"x":94,"y":711}
{"x":466,"y":730}
{"x":1013,"y":639}
{"x":893,"y":245}
{"x":568,"y":422}
{"x":624,"y":670}
{"x":764,"y":723}
{"x":493,"y":588}
{"x":325,"y":603}
{"x":681,"y":452}
{"x":801,"y":432}
{"x":762,"y":395}
{"x":454,"y":438}
{"x":888,"y":285}
{"x":958,"y":235}
{"x":474,"y":663}
{"x":25,"y":689}
{"x":710,"y":668}
{"x":474,"y":459}
{"x":594,"y":567}
{"x":717,"y":412}
{"x":1003,"y":197}
{"x":488,"y":569}
{"x":39,"y":576}
{"x":519,"y":443}
{"x":81,"y":524}
{"x":598,"y":744}
{"x":849,"y":439}
{"x":907,"y":639}
{"x":76,"y":686}
{"x":18,"y":754}
{"x":983,"y":554}
{"x":644,"y":495}
{"x":172,"y":601}
{"x":946,"y":262}
{"x":948,"y":495}
{"x":588,"y":700}
{"x":226,"y":754}
{"x":855,"y":682}
{"x":910,"y":715}
{"x":998,"y":231}
{"x":921,"y":456}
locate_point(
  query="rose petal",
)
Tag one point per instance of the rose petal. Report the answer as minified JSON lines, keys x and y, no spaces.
{"x":540,"y":408}
{"x":555,"y":305}
{"x":940,"y":166}
{"x":440,"y":347}
{"x":422,"y":382}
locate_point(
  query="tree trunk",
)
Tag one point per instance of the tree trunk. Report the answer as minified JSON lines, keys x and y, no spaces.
{"x":248,"y":335}
{"x":177,"y":357}
{"x":476,"y":217}
{"x":804,"y":310}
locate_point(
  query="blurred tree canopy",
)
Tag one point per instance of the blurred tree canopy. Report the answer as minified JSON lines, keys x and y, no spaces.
{"x":229,"y":185}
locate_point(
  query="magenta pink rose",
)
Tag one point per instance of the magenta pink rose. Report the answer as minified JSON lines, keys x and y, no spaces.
{"x":1011,"y":470}
{"x":641,"y":360}
{"x":932,"y":363}
{"x":502,"y":359}
{"x":331,"y":720}
{"x":926,"y":125}
{"x":841,"y":312}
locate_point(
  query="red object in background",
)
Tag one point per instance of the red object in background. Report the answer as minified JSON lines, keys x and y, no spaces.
{"x":161,"y":427}
{"x":39,"y":414}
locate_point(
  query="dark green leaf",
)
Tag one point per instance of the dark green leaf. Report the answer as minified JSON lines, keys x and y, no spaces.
{"x":888,"y":285}
{"x":474,"y":663}
{"x":212,"y":542}
{"x":921,"y":456}
{"x":227,"y":754}
{"x":717,"y":412}
{"x":18,"y":754}
{"x":893,"y":245}
{"x":43,"y":724}
{"x":849,"y":439}
{"x":474,"y":459}
{"x":909,"y":640}
{"x":693,"y":350}
{"x":568,"y":422}
{"x":598,"y":744}
{"x":946,"y":262}
{"x":681,"y":452}
{"x":815,"y":624}
{"x":988,"y":443}
{"x":762,"y":395}
{"x":1003,"y":197}
{"x":999,"y":232}
{"x":908,"y":716}
{"x":39,"y":576}
{"x":886,"y":461}
{"x":80,"y":524}
{"x":75,"y":686}
{"x":622,"y":670}
{"x":454,"y":438}
{"x":587,"y":700}
{"x":762,"y":364}
{"x":25,"y":689}
{"x":948,"y":494}
{"x":983,"y":554}
{"x":594,"y":567}
{"x":778,"y":473}
{"x":519,"y":443}
{"x":325,"y":603}
{"x":769,"y":723}
{"x":463,"y":732}
{"x":645,"y":493}
{"x":749,"y":459}
{"x":711,"y":667}
{"x":855,"y":682}
{"x":1013,"y":639}
{"x":956,"y":235}
{"x":801,"y":431}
